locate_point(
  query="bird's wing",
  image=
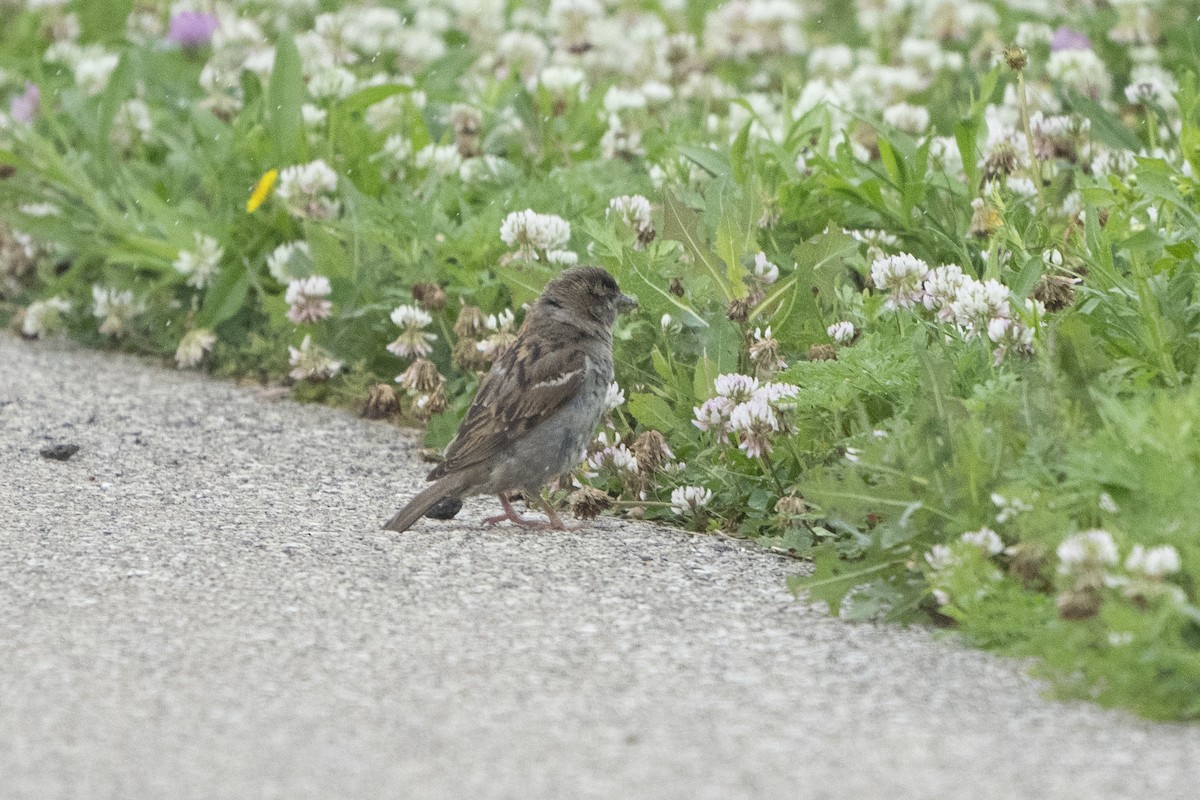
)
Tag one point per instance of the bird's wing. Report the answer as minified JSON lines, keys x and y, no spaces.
{"x":525,"y":387}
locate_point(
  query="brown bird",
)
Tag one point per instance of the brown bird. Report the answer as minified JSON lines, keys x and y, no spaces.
{"x":537,"y":407}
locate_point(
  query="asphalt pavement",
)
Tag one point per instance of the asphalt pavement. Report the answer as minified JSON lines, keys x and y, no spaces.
{"x":199,"y":603}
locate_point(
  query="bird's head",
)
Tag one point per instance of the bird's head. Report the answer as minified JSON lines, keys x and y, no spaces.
{"x":588,"y":293}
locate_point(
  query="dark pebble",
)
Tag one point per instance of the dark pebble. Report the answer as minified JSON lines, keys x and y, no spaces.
{"x":60,"y":452}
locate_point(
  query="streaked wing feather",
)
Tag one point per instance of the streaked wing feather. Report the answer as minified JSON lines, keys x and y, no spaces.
{"x":529,"y":383}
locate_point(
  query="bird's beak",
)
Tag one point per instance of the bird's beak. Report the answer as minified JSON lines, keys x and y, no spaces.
{"x":626,"y":303}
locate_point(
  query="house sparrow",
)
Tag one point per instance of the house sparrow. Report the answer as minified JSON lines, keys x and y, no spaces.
{"x":538,"y":407}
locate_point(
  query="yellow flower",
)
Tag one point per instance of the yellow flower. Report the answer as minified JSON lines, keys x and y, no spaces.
{"x":261,"y":190}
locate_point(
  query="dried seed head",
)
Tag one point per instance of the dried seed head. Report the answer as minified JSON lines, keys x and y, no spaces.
{"x":651,"y":451}
{"x":471,"y":323}
{"x":790,"y":506}
{"x":588,"y":502}
{"x":430,"y":403}
{"x":1055,"y":291}
{"x":1030,"y":564}
{"x":1002,"y":159}
{"x":382,"y":402}
{"x":467,"y":357}
{"x":676,"y":287}
{"x":1082,"y":602}
{"x":1016,"y":58}
{"x":431,"y":296}
{"x":739,"y":309}
{"x":822,"y":352}
{"x":421,"y":377}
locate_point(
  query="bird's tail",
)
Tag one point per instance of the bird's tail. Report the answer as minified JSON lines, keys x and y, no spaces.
{"x":425,"y":500}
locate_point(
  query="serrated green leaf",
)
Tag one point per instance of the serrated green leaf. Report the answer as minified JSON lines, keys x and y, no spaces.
{"x":653,"y":412}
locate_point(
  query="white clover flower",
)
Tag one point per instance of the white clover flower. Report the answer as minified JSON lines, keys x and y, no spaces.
{"x":1009,"y":507}
{"x":617,"y":99}
{"x":842,"y":332}
{"x":1087,"y":549}
{"x":940,"y":557}
{"x":93,"y":68}
{"x":713,"y":415}
{"x":44,"y":317}
{"x":441,"y":159}
{"x":306,"y":190}
{"x":764,"y":352}
{"x":764,"y":270}
{"x":735,"y":387}
{"x":687,"y":500}
{"x":306,"y":296}
{"x":202,"y":263}
{"x":1052,"y":258}
{"x":1081,"y":70}
{"x":412,"y":341}
{"x":1107,"y":504}
{"x":310,"y":362}
{"x":902,"y":276}
{"x":192,"y":347}
{"x":634,"y":211}
{"x":1114,"y":162}
{"x":289,"y":261}
{"x":657,"y":93}
{"x":530,"y":232}
{"x":131,"y":124}
{"x":977,"y":303}
{"x":985,"y":539}
{"x":116,"y":309}
{"x":563,"y":258}
{"x":332,"y":83}
{"x":908,"y":118}
{"x":502,"y":337}
{"x":614,"y":397}
{"x":616,"y":457}
{"x":561,"y":79}
{"x":1154,"y":562}
{"x":940,"y":287}
{"x":755,"y":424}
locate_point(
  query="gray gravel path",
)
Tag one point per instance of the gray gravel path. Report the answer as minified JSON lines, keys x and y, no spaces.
{"x":200,"y":604}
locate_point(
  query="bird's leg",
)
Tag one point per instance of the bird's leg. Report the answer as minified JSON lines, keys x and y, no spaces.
{"x":512,"y":516}
{"x":555,"y":520}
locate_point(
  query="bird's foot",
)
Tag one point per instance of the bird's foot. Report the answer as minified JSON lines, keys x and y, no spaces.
{"x":512,"y":516}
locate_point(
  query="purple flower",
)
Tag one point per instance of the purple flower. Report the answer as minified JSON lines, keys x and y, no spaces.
{"x":24,"y":107}
{"x":1066,"y":39}
{"x":192,"y":28}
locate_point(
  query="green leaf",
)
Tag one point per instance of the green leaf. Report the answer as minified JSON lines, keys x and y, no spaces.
{"x":1106,"y":128}
{"x":682,"y":224}
{"x":713,"y":162}
{"x":102,"y":20}
{"x":653,"y":412}
{"x":225,"y":296}
{"x":830,"y":580}
{"x":285,"y":96}
{"x":365,"y":98}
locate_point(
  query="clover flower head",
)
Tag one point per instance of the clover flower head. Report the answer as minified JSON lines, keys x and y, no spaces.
{"x":736,"y":388}
{"x":977,"y":303}
{"x":985,"y":539}
{"x":764,"y":270}
{"x":842,"y":332}
{"x":502,"y":336}
{"x":307,"y":298}
{"x":202,"y":263}
{"x":940,"y":557}
{"x":614,"y":397}
{"x":290,"y":260}
{"x":1087,"y":550}
{"x":687,"y":500}
{"x":306,"y":190}
{"x":902,"y":276}
{"x":634,"y":211}
{"x":1008,"y":507}
{"x":412,"y":341}
{"x":192,"y":347}
{"x":44,"y":317}
{"x":529,"y":232}
{"x":310,"y":362}
{"x":1153,"y":562}
{"x":115,"y":308}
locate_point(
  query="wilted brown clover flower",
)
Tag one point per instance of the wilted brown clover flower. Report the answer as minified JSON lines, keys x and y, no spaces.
{"x":431,"y":296}
{"x":382,"y":402}
{"x":588,"y":502}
